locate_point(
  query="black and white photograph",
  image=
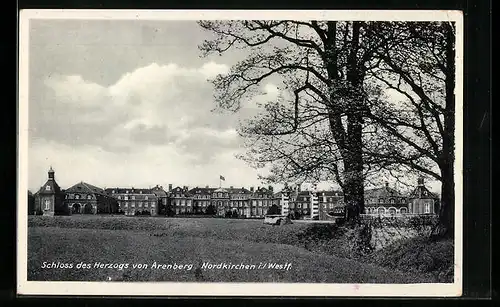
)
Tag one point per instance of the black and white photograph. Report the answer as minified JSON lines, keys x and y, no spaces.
{"x":240,"y":153}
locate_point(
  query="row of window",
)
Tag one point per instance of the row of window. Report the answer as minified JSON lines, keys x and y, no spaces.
{"x":222,"y":195}
{"x":254,"y":203}
{"x":382,"y":210}
{"x":133,"y":212}
{"x":427,"y":208}
{"x":384,"y":201}
{"x":132,"y":197}
{"x":78,"y":196}
{"x":127,"y":192}
{"x":139,"y":204}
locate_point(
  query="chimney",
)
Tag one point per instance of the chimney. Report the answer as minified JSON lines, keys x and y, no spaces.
{"x":251,"y":189}
{"x":206,"y":187}
{"x":299,"y":187}
{"x":386,"y":184}
{"x":231,"y":187}
{"x":169,"y":187}
{"x":420,"y":181}
{"x":271,"y":188}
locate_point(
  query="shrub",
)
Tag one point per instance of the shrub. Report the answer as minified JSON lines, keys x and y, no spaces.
{"x":210,"y":210}
{"x":273,"y":210}
{"x":421,"y":255}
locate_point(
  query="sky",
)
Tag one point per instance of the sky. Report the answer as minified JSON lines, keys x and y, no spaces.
{"x":128,"y":104}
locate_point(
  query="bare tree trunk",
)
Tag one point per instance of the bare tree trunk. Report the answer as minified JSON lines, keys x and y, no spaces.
{"x":354,"y":186}
{"x":447,"y":206}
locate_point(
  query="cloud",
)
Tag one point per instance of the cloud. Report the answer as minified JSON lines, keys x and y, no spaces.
{"x":154,"y":119}
{"x":146,"y":167}
{"x":212,"y":69}
{"x":140,"y":107}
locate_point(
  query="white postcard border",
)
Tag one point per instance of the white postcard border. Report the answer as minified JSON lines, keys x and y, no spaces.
{"x":25,"y":287}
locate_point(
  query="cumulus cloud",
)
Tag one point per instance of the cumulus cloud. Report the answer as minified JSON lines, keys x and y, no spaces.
{"x":140,"y":107}
{"x":156,"y":115}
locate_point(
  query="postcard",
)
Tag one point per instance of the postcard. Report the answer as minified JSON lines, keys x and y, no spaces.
{"x":240,"y":153}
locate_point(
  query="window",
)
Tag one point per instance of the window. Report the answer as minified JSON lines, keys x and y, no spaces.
{"x":47,"y":204}
{"x":89,"y":197}
{"x":145,"y":197}
{"x":381,"y":200}
{"x":119,"y":197}
{"x":47,"y":188}
{"x":77,"y":196}
{"x":125,"y":197}
{"x":392,"y":201}
{"x":133,"y":197}
{"x":427,"y":208}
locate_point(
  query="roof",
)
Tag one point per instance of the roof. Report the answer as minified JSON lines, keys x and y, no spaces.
{"x":239,"y":190}
{"x":382,"y":192}
{"x":85,"y":187}
{"x":159,"y":191}
{"x":201,"y":190}
{"x":420,"y":191}
{"x":54,"y":187}
{"x":263,"y":190}
{"x":129,"y":191}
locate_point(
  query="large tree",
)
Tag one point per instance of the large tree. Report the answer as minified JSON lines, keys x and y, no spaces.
{"x":416,"y":131}
{"x":335,"y":120}
{"x":314,"y":131}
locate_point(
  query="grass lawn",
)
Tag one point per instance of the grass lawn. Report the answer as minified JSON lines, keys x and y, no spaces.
{"x":121,"y":240}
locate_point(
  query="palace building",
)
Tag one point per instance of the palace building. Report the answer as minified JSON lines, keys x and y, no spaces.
{"x":84,"y":198}
{"x":133,"y":201}
{"x":201,"y":199}
{"x":162,"y":197}
{"x":49,"y":198}
{"x":180,"y":200}
{"x":423,"y":201}
{"x":385,"y":200}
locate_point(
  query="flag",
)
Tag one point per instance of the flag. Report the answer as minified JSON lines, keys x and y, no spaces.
{"x":222,"y":178}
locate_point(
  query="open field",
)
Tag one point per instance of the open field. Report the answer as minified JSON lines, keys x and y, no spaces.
{"x":121,"y":240}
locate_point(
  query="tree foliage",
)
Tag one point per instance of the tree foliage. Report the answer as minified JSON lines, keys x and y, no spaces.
{"x":416,"y":128}
{"x":313,"y":131}
{"x":358,"y":99}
